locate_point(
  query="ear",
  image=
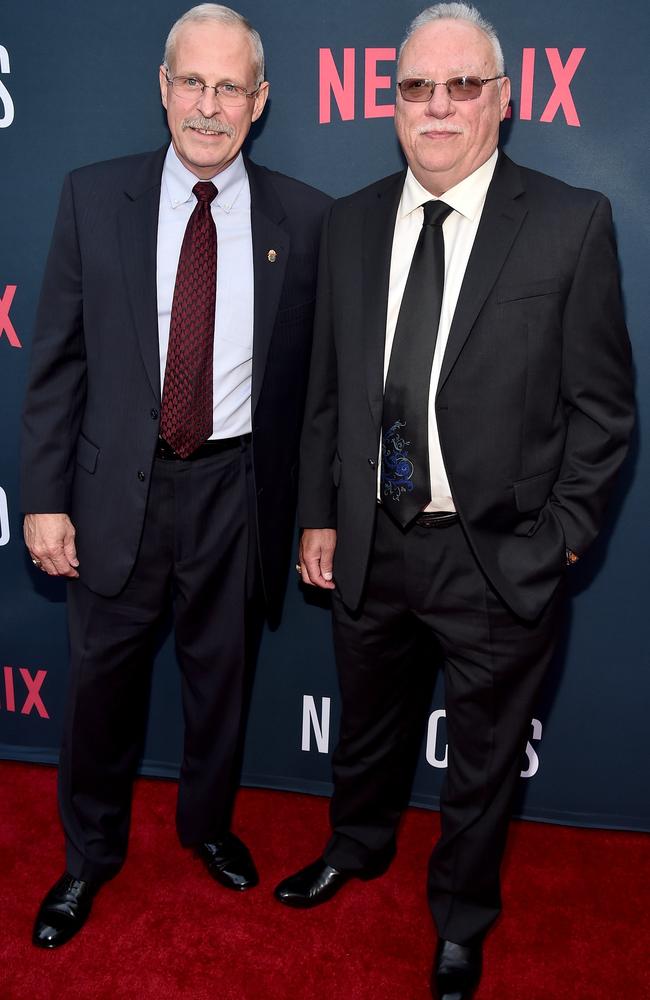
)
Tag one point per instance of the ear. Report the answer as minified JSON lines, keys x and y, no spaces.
{"x":504,"y":97}
{"x":260,"y":100}
{"x":164,"y":86}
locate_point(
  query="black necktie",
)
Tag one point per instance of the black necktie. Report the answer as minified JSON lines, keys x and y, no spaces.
{"x":405,"y":480}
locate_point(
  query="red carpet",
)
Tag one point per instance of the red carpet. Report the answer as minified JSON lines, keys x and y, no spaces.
{"x":575,"y":924}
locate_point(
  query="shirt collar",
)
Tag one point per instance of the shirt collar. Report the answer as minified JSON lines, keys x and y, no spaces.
{"x":178,"y":181}
{"x":466,"y":197}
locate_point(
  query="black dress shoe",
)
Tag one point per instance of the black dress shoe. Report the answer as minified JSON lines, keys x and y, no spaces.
{"x":457,"y":970}
{"x":63,"y":912}
{"x":229,"y":862}
{"x":312,"y":885}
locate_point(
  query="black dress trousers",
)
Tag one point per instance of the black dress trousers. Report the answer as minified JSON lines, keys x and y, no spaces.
{"x":493,"y":665}
{"x":198,"y":549}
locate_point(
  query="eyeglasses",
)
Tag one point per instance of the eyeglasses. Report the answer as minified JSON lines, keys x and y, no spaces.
{"x":459,"y":88}
{"x":190,"y":88}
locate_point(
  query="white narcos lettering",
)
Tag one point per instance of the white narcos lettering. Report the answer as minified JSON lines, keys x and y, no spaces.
{"x":533,"y":759}
{"x":437,"y":750}
{"x":433,"y":757}
{"x":5,"y":533}
{"x":5,"y":97}
{"x":311,"y":721}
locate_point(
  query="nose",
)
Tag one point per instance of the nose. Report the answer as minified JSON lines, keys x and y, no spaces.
{"x":209,"y":104}
{"x":440,"y":104}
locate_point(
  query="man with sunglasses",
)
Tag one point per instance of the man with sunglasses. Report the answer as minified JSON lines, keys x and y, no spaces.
{"x":161,"y":435}
{"x":470,"y":401}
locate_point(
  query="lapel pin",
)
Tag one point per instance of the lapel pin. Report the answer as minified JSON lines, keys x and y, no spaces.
{"x":272,"y":256}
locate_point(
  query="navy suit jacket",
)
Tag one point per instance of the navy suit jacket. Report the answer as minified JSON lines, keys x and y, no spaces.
{"x":92,"y":408}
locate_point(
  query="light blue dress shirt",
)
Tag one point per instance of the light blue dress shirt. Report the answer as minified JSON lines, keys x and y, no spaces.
{"x":233,"y":329}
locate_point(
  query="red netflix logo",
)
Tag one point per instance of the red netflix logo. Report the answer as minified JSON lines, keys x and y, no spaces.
{"x":561,"y":97}
{"x":6,"y":326}
{"x":340,"y":84}
{"x":29,"y":689}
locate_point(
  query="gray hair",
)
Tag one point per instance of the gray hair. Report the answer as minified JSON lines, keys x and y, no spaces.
{"x":223,"y":15}
{"x":457,"y":12}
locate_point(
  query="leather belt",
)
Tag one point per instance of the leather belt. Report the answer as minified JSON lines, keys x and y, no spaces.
{"x":208,"y":448}
{"x":437,"y":519}
{"x":430,"y":518}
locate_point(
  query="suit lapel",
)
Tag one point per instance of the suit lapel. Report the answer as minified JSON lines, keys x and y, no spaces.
{"x":379,"y":226}
{"x":271,"y":248}
{"x":138,"y":232}
{"x":503,"y":214}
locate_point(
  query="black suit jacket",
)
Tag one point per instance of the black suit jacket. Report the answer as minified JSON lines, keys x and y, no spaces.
{"x":534,"y":402}
{"x":92,"y":409}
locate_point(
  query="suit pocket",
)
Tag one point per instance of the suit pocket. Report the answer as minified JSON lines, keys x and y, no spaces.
{"x":290,"y":315}
{"x":527,"y":290}
{"x":87,"y":454}
{"x":533,"y":492}
{"x":293,"y":327}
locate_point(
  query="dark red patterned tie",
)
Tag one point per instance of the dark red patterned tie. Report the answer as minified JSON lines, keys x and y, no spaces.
{"x":186,"y":418}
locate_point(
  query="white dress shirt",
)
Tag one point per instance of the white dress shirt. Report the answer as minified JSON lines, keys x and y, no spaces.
{"x":233,"y":327}
{"x":459,"y":230}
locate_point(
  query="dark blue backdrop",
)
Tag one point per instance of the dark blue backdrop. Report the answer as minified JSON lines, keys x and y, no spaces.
{"x":78,"y":83}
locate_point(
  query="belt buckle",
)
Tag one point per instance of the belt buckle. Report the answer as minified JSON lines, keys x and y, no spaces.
{"x":165,"y":451}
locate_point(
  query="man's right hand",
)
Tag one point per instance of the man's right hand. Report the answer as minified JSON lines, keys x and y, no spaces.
{"x":317,"y":556}
{"x":50,"y":540}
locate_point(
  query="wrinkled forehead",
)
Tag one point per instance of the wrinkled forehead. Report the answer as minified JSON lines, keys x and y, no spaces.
{"x":442,"y":49}
{"x":199,"y":44}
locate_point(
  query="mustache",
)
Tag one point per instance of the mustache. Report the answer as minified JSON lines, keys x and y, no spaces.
{"x":214,"y":125}
{"x":447,"y":127}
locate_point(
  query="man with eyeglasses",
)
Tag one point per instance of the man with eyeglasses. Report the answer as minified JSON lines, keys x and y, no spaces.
{"x":161,"y":433}
{"x":470,"y":401}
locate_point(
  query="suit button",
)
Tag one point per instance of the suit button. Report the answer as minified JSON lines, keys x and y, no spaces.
{"x":154,"y":414}
{"x":141,"y":476}
{"x":372,"y":463}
